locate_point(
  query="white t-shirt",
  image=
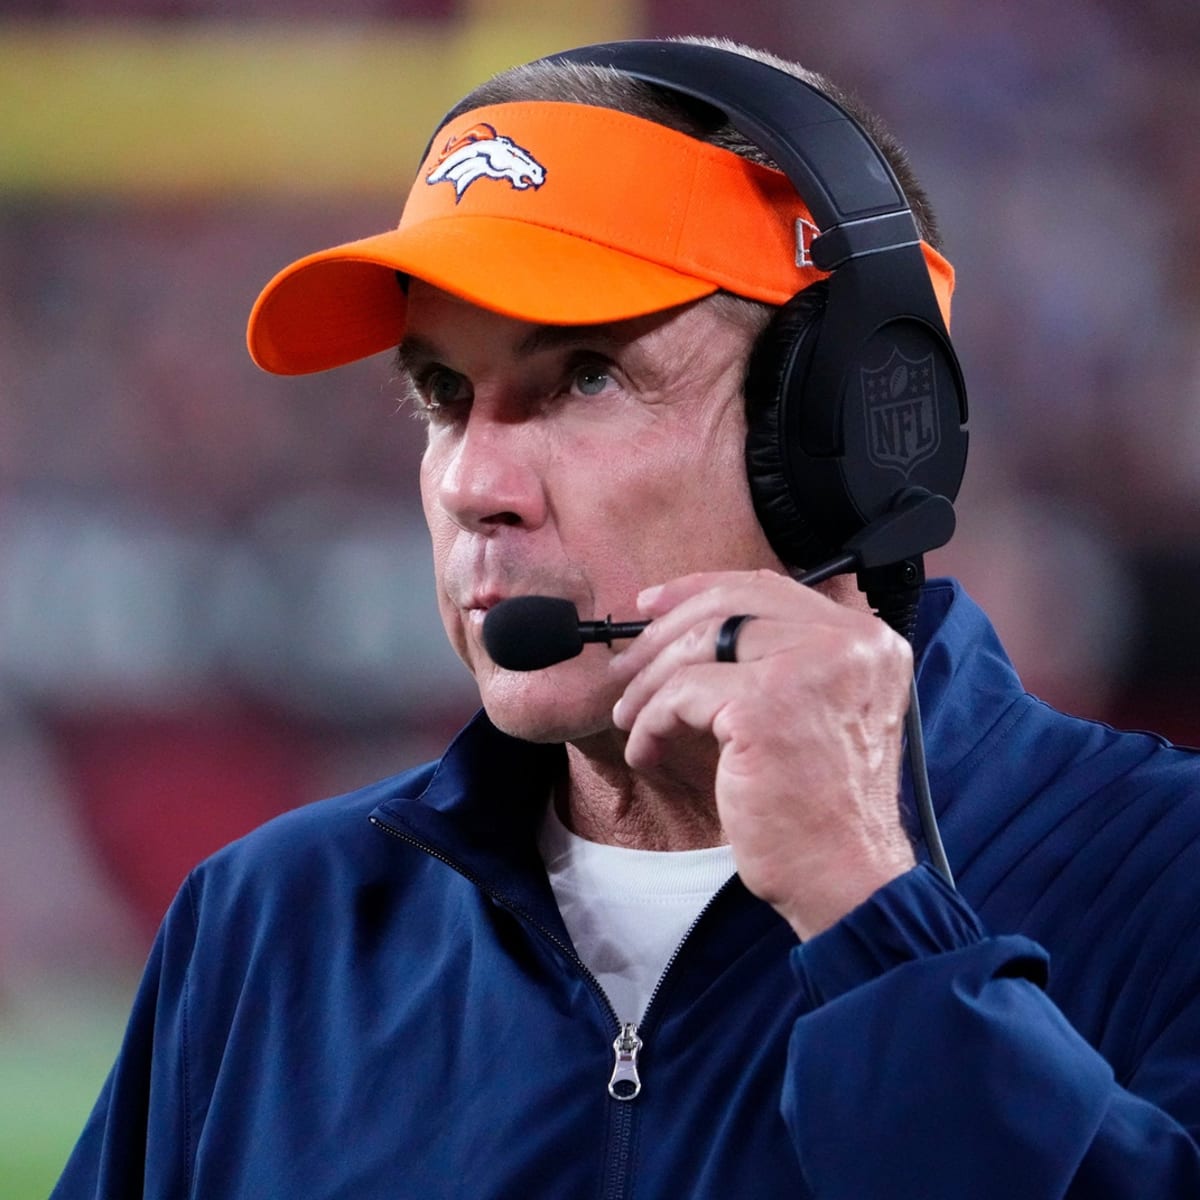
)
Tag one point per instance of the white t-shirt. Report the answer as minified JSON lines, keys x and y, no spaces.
{"x":628,"y":910}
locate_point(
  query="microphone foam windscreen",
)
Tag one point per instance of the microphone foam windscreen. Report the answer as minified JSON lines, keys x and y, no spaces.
{"x":528,"y":633}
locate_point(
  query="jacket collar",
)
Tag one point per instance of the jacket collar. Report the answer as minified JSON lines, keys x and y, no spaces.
{"x":965,"y":681}
{"x":481,"y":810}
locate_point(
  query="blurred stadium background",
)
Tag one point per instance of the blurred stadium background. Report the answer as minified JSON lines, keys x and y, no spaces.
{"x":214,"y":587}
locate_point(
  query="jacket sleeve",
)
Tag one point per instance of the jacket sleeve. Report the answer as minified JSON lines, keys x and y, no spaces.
{"x":135,"y":1142}
{"x":965,"y":1079}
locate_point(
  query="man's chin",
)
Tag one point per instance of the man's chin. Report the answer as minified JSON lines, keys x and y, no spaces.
{"x":545,"y":715}
{"x":544,"y":728}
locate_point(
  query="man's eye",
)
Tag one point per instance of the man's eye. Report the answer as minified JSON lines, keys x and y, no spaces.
{"x":591,"y":380}
{"x":441,"y":389}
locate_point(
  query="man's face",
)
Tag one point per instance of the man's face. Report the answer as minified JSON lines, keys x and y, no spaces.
{"x":583,"y":462}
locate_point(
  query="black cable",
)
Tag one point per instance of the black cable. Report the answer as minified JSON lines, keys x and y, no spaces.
{"x":920,"y":779}
{"x":894,"y":592}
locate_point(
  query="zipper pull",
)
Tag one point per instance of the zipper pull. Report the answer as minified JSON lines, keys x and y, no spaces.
{"x":625,"y":1084}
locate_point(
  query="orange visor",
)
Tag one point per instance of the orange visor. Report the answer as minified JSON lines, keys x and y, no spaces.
{"x":557,"y":214}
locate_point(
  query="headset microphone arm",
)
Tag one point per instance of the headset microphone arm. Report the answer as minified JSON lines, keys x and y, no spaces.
{"x":916,"y":521}
{"x":604,"y":631}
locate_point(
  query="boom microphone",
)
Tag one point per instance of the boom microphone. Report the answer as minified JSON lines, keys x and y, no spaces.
{"x":527,"y":633}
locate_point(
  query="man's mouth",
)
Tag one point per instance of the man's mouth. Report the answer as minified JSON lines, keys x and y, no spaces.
{"x":478,"y":604}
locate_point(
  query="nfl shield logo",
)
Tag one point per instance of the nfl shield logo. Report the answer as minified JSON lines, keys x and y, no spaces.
{"x":900,"y":406}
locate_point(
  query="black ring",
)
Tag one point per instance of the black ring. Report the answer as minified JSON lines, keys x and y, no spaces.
{"x":728,"y":635}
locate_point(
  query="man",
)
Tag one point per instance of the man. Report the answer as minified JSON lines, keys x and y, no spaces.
{"x":529,"y":969}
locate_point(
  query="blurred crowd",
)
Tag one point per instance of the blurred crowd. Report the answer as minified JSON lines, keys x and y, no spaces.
{"x":214,"y":587}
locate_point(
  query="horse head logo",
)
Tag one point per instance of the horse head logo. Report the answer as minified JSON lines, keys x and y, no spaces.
{"x":480,"y":153}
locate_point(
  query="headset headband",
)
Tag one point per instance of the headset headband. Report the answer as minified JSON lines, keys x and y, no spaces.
{"x":846,"y":182}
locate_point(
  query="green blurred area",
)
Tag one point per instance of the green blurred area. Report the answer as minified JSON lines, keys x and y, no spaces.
{"x":57,"y":1043}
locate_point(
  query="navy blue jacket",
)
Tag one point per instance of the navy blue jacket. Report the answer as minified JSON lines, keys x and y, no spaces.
{"x":375,"y":996}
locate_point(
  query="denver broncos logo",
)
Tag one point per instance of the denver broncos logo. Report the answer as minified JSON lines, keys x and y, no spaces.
{"x":481,"y":152}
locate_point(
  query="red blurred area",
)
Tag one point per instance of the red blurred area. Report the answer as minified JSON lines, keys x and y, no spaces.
{"x":158,"y":793}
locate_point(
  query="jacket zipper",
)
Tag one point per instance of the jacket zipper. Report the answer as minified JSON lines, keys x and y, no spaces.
{"x":625,"y":1083}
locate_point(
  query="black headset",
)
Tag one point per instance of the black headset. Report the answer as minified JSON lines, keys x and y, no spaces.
{"x":854,"y":393}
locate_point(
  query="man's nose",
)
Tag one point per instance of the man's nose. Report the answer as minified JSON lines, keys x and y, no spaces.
{"x":492,"y":477}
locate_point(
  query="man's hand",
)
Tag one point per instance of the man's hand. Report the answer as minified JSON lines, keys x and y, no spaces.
{"x":808,"y":725}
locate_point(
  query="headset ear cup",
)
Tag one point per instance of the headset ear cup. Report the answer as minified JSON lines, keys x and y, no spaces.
{"x":788,"y":339}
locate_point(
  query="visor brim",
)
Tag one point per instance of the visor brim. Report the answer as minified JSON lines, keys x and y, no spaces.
{"x":346,"y":303}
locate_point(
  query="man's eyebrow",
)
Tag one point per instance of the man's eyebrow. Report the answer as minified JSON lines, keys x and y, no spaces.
{"x":551,"y":337}
{"x":414,"y":351}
